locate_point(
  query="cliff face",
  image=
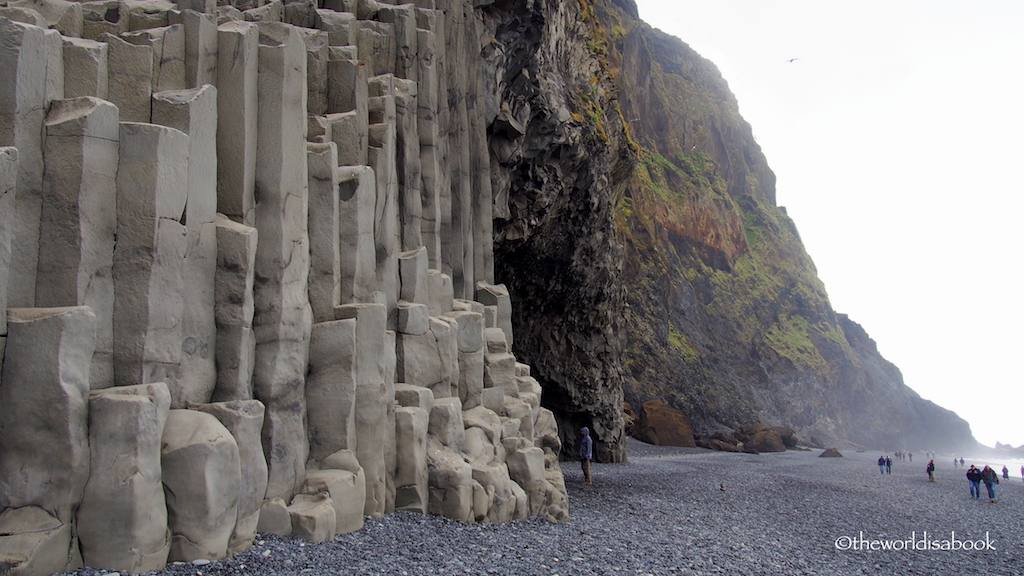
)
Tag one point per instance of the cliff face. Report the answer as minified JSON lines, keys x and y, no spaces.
{"x":681,"y":279}
{"x":560,"y":160}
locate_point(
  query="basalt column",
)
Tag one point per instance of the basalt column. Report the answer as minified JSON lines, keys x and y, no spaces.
{"x":459,"y":158}
{"x":358,"y":195}
{"x":122,"y":523}
{"x":22,"y":111}
{"x":282,"y":318}
{"x":324,"y":233}
{"x":236,"y":342}
{"x":194,"y":112}
{"x":8,"y":186}
{"x":129,"y":78}
{"x":429,"y":140}
{"x":382,"y":159}
{"x":79,"y":219}
{"x":149,"y":258}
{"x":237,"y":70}
{"x":371,"y":398}
{"x":44,"y":469}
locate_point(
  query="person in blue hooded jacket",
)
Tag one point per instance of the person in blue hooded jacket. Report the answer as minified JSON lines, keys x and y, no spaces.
{"x":586,"y":453}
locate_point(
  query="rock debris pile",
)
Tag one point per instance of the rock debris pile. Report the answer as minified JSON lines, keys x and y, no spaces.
{"x":246,"y":262}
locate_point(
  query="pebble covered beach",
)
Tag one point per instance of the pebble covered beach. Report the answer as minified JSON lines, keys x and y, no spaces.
{"x":692,"y":511}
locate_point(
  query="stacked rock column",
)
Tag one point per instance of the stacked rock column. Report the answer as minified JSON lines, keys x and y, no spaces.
{"x":282,"y":319}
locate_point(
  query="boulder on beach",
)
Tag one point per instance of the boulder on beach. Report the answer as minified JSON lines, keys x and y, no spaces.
{"x":767,"y":440}
{"x":830,"y":453}
{"x":715,"y":444}
{"x":662,"y":425}
{"x":787,"y":435}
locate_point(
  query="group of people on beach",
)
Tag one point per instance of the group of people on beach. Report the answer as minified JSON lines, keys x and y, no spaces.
{"x":975,"y":476}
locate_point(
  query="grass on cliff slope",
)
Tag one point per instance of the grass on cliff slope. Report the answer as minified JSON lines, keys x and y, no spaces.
{"x":769,"y":293}
{"x":778,"y":275}
{"x":711,"y":268}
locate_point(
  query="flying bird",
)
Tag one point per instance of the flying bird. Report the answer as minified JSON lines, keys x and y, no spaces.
{"x":791,"y":60}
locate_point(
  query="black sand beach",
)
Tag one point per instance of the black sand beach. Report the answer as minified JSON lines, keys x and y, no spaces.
{"x":692,"y":511}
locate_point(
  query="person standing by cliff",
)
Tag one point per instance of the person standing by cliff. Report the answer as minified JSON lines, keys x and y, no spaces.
{"x":931,"y":470}
{"x":974,"y":478}
{"x":586,"y":453}
{"x":990,"y":478}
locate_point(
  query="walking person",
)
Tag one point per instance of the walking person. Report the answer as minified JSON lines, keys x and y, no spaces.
{"x":1022,"y":472}
{"x":911,"y":456}
{"x":974,"y":478}
{"x":888,"y":465}
{"x":961,"y":462}
{"x":1006,"y":473}
{"x":586,"y":453}
{"x":931,"y":470}
{"x":990,"y":478}
{"x":881,"y":464}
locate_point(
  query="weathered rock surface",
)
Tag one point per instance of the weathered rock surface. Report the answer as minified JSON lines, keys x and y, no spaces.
{"x":34,"y":542}
{"x":46,"y":381}
{"x":8,"y":187}
{"x":283,"y":319}
{"x":345,"y":488}
{"x":122,"y":522}
{"x":194,"y":112}
{"x":331,"y":388}
{"x":313,"y":517}
{"x":78,"y":227}
{"x":244,"y":420}
{"x":149,"y":257}
{"x":201,"y":472}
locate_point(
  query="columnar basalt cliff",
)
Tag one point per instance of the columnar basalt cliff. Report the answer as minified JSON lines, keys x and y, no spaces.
{"x":247,"y":270}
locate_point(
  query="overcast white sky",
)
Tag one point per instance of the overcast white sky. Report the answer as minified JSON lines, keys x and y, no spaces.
{"x":897,"y":137}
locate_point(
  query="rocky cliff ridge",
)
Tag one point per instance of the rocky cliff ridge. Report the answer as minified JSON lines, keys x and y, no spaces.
{"x":725,"y":318}
{"x":643,"y":247}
